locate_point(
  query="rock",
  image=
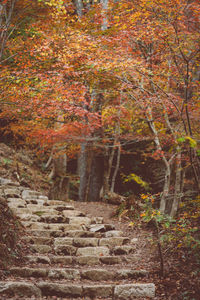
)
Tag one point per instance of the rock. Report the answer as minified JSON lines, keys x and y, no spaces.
{"x":121,"y":250}
{"x":97,"y":275}
{"x":85,"y":242}
{"x":42,"y":249}
{"x":65,"y":249}
{"x":63,"y":241}
{"x":134,"y":240}
{"x":113,"y":241}
{"x":38,"y":240}
{"x":29,"y":272}
{"x":60,"y":290}
{"x":12,"y":193}
{"x":44,"y":198}
{"x":52,"y":218}
{"x":87,"y":260}
{"x":4,"y":181}
{"x":102,"y":291}
{"x":132,"y":291}
{"x":73,"y":213}
{"x":29,"y":194}
{"x":21,"y":289}
{"x":113,"y":233}
{"x":79,"y":233}
{"x":79,"y":221}
{"x":97,"y":228}
{"x":16,"y":203}
{"x":69,"y":274}
{"x":110,"y":260}
{"x":130,"y":274}
{"x":97,"y":220}
{"x":40,"y":259}
{"x":93,"y":251}
{"x":62,"y":260}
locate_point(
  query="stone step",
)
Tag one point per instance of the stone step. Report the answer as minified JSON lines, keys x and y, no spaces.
{"x":52,"y":226}
{"x":80,"y":260}
{"x":60,"y":233}
{"x":91,"y":242}
{"x":106,"y":291}
{"x":97,"y":274}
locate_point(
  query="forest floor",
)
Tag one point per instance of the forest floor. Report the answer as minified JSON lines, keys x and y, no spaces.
{"x":181,"y":280}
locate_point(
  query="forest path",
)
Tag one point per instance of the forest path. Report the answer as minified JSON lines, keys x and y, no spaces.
{"x":71,"y":254}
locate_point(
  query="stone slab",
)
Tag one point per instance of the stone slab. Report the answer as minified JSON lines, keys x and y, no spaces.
{"x":134,"y":291}
{"x":93,"y":251}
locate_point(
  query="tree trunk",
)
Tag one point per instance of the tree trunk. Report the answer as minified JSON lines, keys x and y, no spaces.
{"x":104,"y":24}
{"x":83,"y":172}
{"x":116,"y":169}
{"x":91,"y":174}
{"x":178,"y":187}
{"x":60,"y":182}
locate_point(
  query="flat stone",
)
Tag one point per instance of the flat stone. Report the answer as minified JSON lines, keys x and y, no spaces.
{"x":132,"y":291}
{"x":79,"y":221}
{"x":97,"y":220}
{"x":69,"y":274}
{"x":30,"y":194}
{"x":29,"y":272}
{"x":44,"y":198}
{"x":27,"y":217}
{"x":93,"y":251}
{"x":38,"y":240}
{"x":45,"y":233}
{"x":5,"y":181}
{"x":65,"y":249}
{"x":87,"y":260}
{"x":85,"y":242}
{"x":12,"y":193}
{"x":110,"y":260}
{"x":121,"y":250}
{"x":38,"y":208}
{"x":62,"y":260}
{"x":52,"y":218}
{"x":113,"y":241}
{"x":21,"y":211}
{"x":134,"y":240}
{"x":101,"y":227}
{"x":73,"y":213}
{"x":53,"y":227}
{"x":60,"y":290}
{"x":41,"y":249}
{"x":130,"y":274}
{"x":21,"y":289}
{"x":59,"y":203}
{"x":63,"y":241}
{"x":98,"y":291}
{"x":97,"y":228}
{"x":97,"y":274}
{"x":40,"y":259}
{"x":16,"y":203}
{"x":79,"y":233}
{"x":113,"y":233}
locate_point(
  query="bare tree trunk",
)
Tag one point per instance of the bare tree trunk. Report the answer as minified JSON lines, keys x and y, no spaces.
{"x":6,"y":12}
{"x":116,"y":169}
{"x":104,"y":24}
{"x":83,"y":171}
{"x":79,"y":7}
{"x":60,"y":181}
{"x":177,"y":188}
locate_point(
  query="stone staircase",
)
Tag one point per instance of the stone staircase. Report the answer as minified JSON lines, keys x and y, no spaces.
{"x":71,"y":256}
